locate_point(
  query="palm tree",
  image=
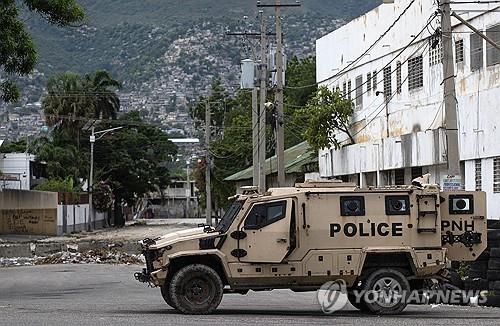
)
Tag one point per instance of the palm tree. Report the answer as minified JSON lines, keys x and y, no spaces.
{"x":103,"y":87}
{"x":67,"y":102}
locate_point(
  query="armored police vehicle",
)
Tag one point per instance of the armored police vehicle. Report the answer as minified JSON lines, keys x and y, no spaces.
{"x":377,"y":239}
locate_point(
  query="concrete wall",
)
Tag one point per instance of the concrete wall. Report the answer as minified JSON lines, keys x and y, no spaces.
{"x":38,"y":213}
{"x":28,"y":212}
{"x":407,"y":131}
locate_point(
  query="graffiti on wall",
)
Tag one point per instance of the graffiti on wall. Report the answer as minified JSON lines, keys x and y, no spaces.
{"x":35,"y":221}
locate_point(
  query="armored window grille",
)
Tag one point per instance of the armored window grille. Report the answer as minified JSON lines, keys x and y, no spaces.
{"x":415,"y":73}
{"x":398,"y":77}
{"x":492,"y":54}
{"x":476,"y":52}
{"x":479,"y":177}
{"x":459,"y":51}
{"x":496,"y":175}
{"x":349,"y":90}
{"x":387,"y":82}
{"x":359,"y":92}
{"x":435,"y":51}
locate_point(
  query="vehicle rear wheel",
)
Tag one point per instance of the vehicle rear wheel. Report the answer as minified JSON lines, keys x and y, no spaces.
{"x":386,"y":292}
{"x":165,"y":293}
{"x":196,"y":289}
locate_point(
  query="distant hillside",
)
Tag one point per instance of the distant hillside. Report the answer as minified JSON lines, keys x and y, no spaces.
{"x":150,"y":43}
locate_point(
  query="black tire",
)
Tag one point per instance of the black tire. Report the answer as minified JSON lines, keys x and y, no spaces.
{"x":165,"y":293}
{"x":495,"y":253}
{"x":494,"y":235}
{"x":353,"y":300}
{"x":196,"y":290}
{"x":494,"y":263}
{"x":494,"y":286}
{"x":493,"y":275}
{"x":386,"y":284}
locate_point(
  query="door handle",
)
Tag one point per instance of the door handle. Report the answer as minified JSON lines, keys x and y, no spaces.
{"x":281,"y":240}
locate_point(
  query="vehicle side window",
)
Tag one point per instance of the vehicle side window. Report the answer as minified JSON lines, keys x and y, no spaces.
{"x":352,"y":206}
{"x":461,"y":204}
{"x":265,"y":214}
{"x":397,"y":205}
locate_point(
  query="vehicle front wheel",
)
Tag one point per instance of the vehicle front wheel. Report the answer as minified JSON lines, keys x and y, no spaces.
{"x":386,"y":291}
{"x":196,"y":289}
{"x":165,"y":293}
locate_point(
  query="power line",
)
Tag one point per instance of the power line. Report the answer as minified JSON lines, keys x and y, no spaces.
{"x":363,"y":54}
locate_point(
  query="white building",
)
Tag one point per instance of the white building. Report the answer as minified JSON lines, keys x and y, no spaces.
{"x":20,"y":171}
{"x":399,"y":133}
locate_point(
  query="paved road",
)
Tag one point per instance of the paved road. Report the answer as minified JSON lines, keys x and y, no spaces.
{"x":108,"y":295}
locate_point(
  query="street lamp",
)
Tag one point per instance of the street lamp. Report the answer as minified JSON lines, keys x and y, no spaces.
{"x":93,"y":137}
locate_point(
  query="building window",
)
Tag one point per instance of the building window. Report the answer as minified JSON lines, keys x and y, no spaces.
{"x":476,"y":52}
{"x":359,"y":92}
{"x":435,"y":52}
{"x":374,"y":80}
{"x":398,"y":77}
{"x":344,"y":90}
{"x":337,"y":89}
{"x":492,"y":54}
{"x":369,"y":82}
{"x":459,"y":51}
{"x":496,"y":175}
{"x":415,"y":73}
{"x":349,"y":90}
{"x":416,"y":172}
{"x":399,"y":177}
{"x":479,"y":181}
{"x":387,"y":82}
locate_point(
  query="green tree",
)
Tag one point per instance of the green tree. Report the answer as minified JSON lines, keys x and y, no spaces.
{"x":105,"y":101}
{"x":18,"y":55}
{"x":324,"y":115}
{"x":300,"y":88}
{"x":72,"y":98}
{"x":14,"y":147}
{"x":220,"y":103}
{"x":134,"y":160}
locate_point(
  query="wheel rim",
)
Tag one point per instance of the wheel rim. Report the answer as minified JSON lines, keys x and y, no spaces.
{"x":198,"y":290}
{"x":387,"y":292}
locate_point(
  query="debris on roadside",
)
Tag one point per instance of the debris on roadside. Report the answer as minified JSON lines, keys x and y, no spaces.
{"x":69,"y":257}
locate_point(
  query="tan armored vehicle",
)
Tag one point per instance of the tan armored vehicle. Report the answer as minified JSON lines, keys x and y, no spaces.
{"x":376,"y":239}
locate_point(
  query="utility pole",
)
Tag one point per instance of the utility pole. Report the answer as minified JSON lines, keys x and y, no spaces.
{"x":450,"y":99}
{"x":188,"y":192}
{"x":280,"y":123}
{"x":255,"y":135}
{"x":93,"y":137}
{"x":91,"y":181}
{"x":263,"y":99}
{"x":208,"y":188}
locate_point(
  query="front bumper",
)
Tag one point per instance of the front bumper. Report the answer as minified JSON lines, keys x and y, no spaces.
{"x":151,"y":275}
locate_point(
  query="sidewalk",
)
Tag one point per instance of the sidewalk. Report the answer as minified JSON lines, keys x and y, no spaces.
{"x":118,"y":239}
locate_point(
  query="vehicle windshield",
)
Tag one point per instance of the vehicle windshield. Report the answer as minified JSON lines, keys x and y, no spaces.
{"x":229,"y":217}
